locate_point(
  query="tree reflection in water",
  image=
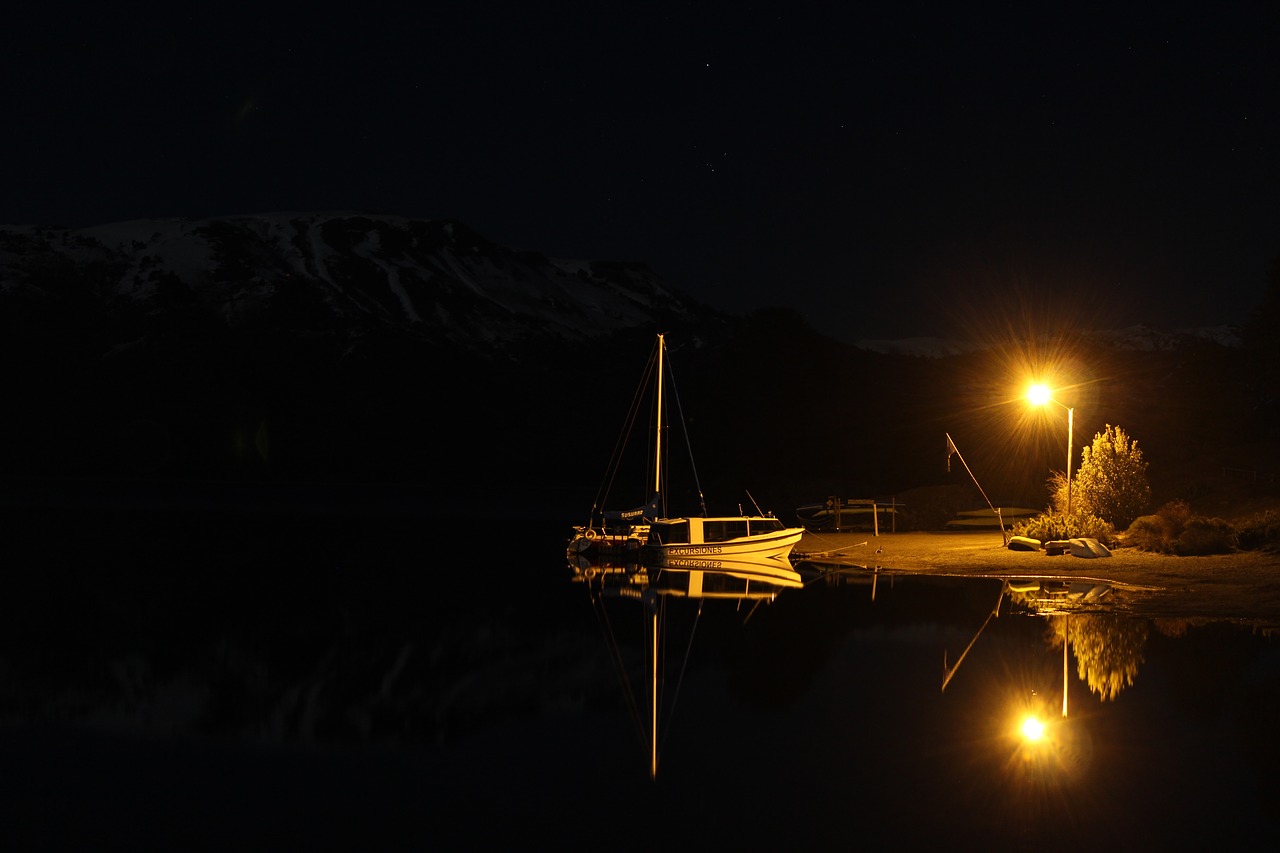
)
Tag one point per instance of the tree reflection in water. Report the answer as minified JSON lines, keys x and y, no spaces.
{"x":1108,"y":648}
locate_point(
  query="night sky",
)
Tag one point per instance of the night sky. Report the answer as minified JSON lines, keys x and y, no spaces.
{"x":886,"y":172}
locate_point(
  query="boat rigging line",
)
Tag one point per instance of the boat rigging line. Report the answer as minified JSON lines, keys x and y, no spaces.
{"x":684,"y":665}
{"x":949,"y":673}
{"x":657,"y":363}
{"x":808,"y":554}
{"x":655,"y":609}
{"x":624,"y":436}
{"x":619,"y":665}
{"x":684,"y":426}
{"x":951,"y":448}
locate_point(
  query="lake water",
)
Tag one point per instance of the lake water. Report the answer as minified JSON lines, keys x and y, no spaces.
{"x":212,"y":682}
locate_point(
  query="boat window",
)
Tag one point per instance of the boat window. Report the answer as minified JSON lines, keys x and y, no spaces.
{"x":722,"y":531}
{"x":669,"y":533}
{"x":766,"y":525}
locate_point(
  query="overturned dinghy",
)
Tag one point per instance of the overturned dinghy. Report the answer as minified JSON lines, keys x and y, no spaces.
{"x":1088,"y":547}
{"x":1023,"y":543}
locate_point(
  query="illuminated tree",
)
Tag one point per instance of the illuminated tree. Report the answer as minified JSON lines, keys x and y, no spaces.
{"x":1112,"y":480}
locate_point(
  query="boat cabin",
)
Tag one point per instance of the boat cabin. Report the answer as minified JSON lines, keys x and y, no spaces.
{"x":700,"y":531}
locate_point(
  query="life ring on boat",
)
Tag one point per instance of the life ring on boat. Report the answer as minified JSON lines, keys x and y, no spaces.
{"x":590,"y":533}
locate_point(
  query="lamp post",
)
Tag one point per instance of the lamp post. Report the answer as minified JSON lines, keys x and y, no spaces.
{"x":1039,"y":395}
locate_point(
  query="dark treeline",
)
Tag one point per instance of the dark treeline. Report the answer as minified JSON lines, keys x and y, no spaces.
{"x":772,"y":408}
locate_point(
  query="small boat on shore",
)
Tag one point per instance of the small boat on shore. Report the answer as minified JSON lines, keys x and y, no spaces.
{"x":836,"y":514}
{"x":991,"y":518}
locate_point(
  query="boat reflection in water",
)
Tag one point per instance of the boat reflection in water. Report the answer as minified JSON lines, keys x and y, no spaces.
{"x":689,"y":577}
{"x":651,"y":582}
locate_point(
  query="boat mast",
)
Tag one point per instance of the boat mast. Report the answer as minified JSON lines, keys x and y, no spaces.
{"x":657,"y":458}
{"x":653,"y":616}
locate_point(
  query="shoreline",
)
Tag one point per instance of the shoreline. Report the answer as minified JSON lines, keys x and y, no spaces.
{"x":1242,"y":586}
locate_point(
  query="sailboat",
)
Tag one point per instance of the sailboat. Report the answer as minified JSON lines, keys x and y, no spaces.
{"x":751,"y":546}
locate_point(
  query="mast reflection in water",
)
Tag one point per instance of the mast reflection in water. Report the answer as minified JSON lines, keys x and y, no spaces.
{"x":824,"y":712}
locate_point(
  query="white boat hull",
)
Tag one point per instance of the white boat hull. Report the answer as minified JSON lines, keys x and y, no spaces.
{"x":755,"y":548}
{"x":705,"y":539}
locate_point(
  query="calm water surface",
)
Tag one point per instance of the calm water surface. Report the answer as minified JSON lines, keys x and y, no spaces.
{"x":386,"y":683}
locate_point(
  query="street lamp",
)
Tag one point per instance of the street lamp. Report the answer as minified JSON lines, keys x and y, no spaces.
{"x":1039,"y":395}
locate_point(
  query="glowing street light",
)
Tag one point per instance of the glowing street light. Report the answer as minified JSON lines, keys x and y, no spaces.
{"x":1039,"y":395}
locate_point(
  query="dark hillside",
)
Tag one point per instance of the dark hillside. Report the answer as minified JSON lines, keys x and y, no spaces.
{"x":353,"y":350}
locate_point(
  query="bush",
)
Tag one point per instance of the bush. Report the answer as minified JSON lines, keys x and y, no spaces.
{"x":1092,"y":527}
{"x":1259,"y":532}
{"x":1173,"y":530}
{"x":1043,"y":527}
{"x":1206,"y":536}
{"x":1160,"y":532}
{"x":1177,"y":513}
{"x":1151,"y":533}
{"x":1054,"y":525}
{"x":1057,"y":492}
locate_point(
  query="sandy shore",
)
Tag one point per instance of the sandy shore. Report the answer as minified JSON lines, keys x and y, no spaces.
{"x":1242,"y":586}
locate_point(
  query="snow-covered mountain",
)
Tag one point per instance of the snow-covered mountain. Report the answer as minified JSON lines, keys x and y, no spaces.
{"x":338,"y":345}
{"x":348,"y":274}
{"x":436,"y":280}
